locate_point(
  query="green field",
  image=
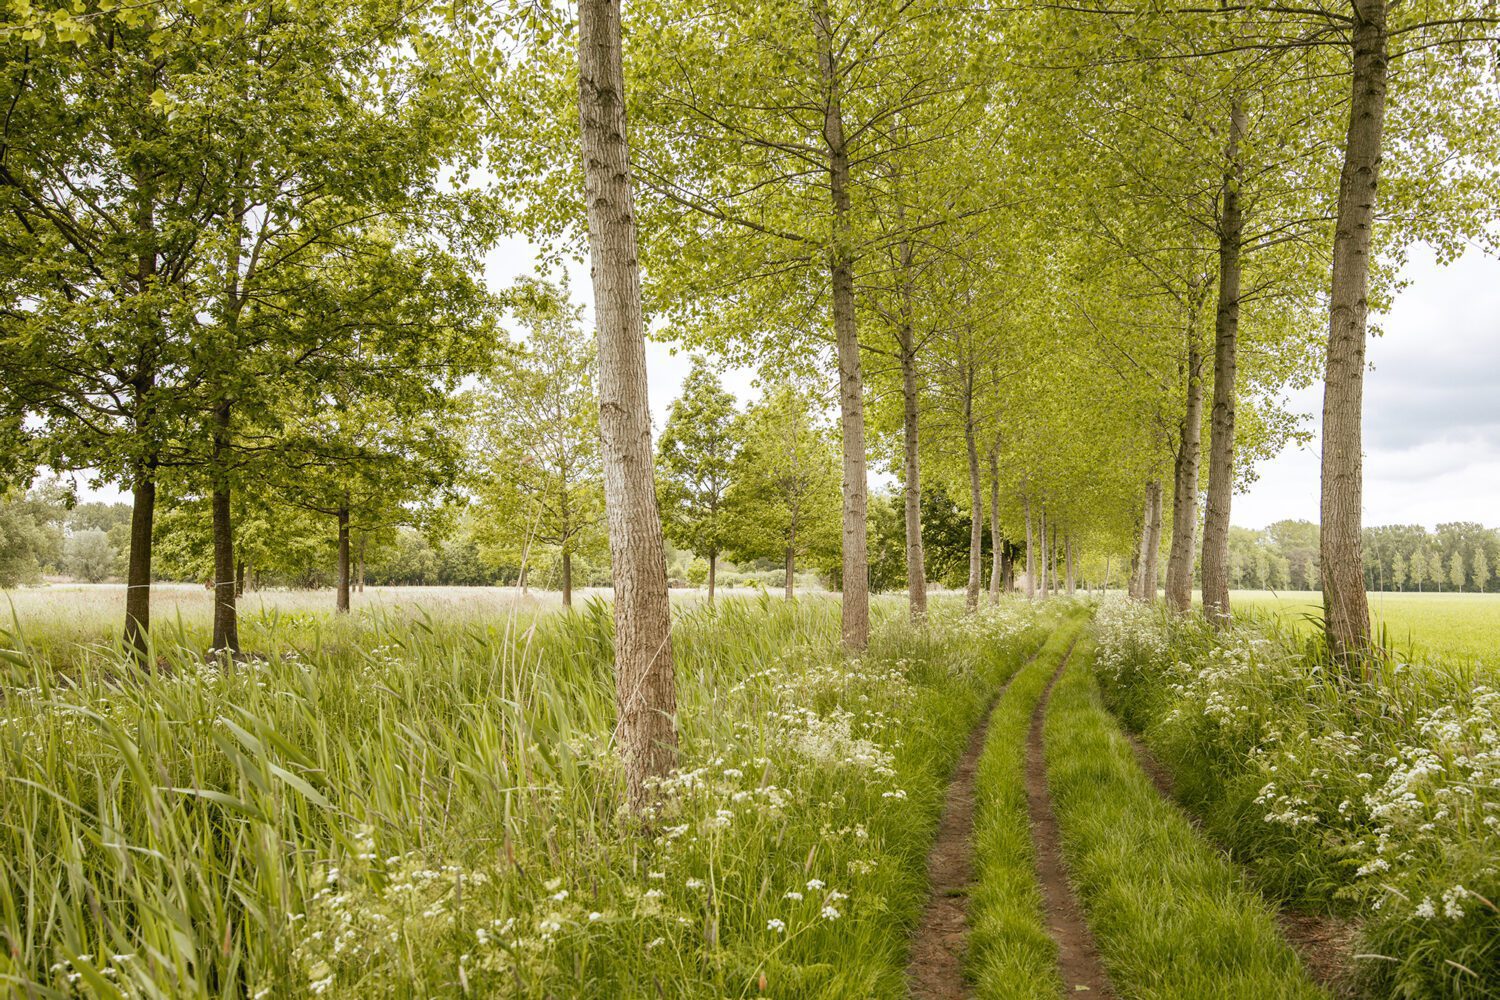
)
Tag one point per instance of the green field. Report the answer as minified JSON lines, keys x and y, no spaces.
{"x":1466,"y":626}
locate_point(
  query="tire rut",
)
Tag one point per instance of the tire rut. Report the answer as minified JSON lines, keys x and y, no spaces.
{"x":936,"y":968}
{"x":1078,"y":958}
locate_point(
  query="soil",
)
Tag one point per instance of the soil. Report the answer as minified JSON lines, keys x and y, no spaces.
{"x":1077,"y":955}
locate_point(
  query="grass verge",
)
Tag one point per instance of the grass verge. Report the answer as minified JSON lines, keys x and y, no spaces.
{"x":433,"y":808}
{"x":1171,"y":916}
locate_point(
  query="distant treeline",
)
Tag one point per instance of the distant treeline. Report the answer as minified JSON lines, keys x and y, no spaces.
{"x":1459,"y":556}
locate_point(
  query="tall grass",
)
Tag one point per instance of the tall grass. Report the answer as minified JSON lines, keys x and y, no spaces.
{"x":1379,"y":799}
{"x":410,"y":806}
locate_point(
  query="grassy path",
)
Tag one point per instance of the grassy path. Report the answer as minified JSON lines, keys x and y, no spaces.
{"x":1090,"y":881}
{"x":1172,"y":916}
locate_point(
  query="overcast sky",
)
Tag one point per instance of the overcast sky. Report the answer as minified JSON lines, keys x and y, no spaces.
{"x":1432,"y":401}
{"x":1432,"y":409}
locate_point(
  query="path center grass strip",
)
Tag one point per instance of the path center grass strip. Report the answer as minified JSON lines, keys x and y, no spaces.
{"x":1171,"y":916}
{"x":1011,"y":954}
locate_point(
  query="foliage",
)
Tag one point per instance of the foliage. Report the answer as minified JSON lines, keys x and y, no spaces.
{"x":695,"y":458}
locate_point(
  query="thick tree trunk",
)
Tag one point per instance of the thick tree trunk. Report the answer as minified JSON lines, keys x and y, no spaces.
{"x":1226,"y":336}
{"x":856,"y":562}
{"x":916,"y":556}
{"x":567,"y":577}
{"x":138,"y":570}
{"x":341,"y":602}
{"x":1346,"y":608}
{"x":713,"y":567}
{"x":997,"y":544}
{"x":226,"y":614}
{"x":976,"y":504}
{"x":646,"y":689}
{"x":1030,"y":552}
{"x":791,"y":571}
{"x":1185,"y":481}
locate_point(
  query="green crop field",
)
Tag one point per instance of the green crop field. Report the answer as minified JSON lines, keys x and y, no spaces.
{"x":1466,"y":626}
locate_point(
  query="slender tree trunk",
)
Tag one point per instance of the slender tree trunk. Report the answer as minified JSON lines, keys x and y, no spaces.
{"x":916,"y":556}
{"x":997,"y":544}
{"x":856,"y":572}
{"x":239,"y":578}
{"x":791,"y":571}
{"x":1044,"y":567}
{"x":360,"y":570}
{"x":341,"y":603}
{"x":1226,"y":336}
{"x":1068,"y":543}
{"x":1030,"y":553}
{"x":226,"y":614}
{"x":1153,"y":539}
{"x":976,"y":502}
{"x":567,"y":577}
{"x":138,"y":570}
{"x":645,"y":681}
{"x":1185,"y":481}
{"x":1346,"y":608}
{"x":713,"y":566}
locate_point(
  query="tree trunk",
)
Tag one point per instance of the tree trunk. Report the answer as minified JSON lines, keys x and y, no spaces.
{"x":1346,"y":608}
{"x":567,"y":577}
{"x":646,"y":689}
{"x":1030,"y":552}
{"x":1226,"y":335}
{"x":916,"y":556}
{"x":1042,"y":538}
{"x":856,"y":563}
{"x":226,"y":615}
{"x":1068,"y":542}
{"x":360,"y":570}
{"x":341,"y":602}
{"x":976,"y":502}
{"x":239,"y":578}
{"x":1185,"y":481}
{"x":713,"y":566}
{"x":1152,"y":538}
{"x":791,"y":571}
{"x":138,"y":571}
{"x":997,"y":544}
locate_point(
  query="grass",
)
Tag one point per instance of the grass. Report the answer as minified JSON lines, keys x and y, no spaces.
{"x":1416,"y":625}
{"x":1171,"y":916}
{"x":1378,"y":800}
{"x":1011,"y":955}
{"x":426,"y":805}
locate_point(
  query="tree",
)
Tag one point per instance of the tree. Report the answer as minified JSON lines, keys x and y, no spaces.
{"x":1398,"y":572}
{"x":695,"y":457}
{"x":535,"y":456}
{"x":1456,"y":573}
{"x":89,"y":555}
{"x":784,"y":502}
{"x":1481,"y":569}
{"x":645,"y":684}
{"x":26,"y":541}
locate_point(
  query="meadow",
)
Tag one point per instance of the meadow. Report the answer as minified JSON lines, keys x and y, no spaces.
{"x":1414,"y":624}
{"x":422,"y":799}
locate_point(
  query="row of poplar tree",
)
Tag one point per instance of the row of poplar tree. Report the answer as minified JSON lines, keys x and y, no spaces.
{"x":1074,"y":252}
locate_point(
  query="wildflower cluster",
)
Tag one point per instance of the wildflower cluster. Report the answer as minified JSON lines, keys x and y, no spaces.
{"x":1390,"y":790}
